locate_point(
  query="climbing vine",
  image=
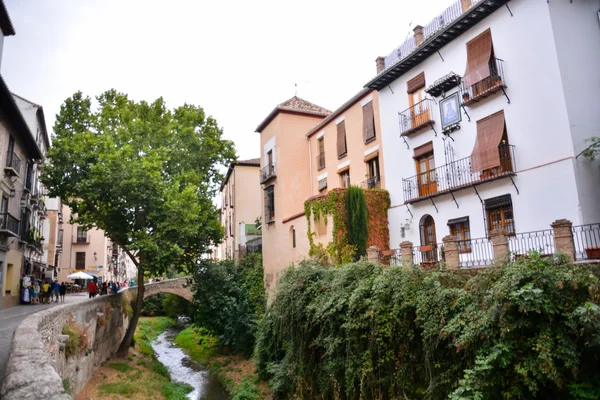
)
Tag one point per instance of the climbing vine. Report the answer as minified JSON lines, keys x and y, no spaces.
{"x":333,"y":204}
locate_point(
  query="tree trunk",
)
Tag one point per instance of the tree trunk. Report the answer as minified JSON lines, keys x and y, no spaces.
{"x":139,"y":303}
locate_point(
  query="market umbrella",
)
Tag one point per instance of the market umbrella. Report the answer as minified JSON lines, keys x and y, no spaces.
{"x":80,"y":275}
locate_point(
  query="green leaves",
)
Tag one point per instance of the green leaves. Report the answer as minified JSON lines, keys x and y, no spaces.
{"x":356,"y":211}
{"x":516,"y":331}
{"x":143,"y":173}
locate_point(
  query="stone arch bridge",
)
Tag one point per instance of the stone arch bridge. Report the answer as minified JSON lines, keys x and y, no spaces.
{"x":181,"y":287}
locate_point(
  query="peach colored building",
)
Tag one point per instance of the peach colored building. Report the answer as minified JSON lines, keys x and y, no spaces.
{"x":345,"y":149}
{"x":240,"y":208}
{"x":285,"y":180}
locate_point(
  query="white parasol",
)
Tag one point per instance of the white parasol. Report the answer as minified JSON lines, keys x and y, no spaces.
{"x":80,"y":275}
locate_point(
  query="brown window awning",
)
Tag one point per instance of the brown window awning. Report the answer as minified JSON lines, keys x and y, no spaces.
{"x":490,"y":131}
{"x":341,"y":139}
{"x":368,"y":122}
{"x":479,"y":53}
{"x":416,"y":83}
{"x":422,"y":150}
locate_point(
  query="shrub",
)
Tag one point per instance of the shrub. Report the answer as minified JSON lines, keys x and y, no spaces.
{"x":77,"y":341}
{"x":521,"y":330}
{"x":356,"y":210}
{"x":230,"y":300}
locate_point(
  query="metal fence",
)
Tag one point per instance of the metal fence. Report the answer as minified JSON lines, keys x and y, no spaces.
{"x":475,"y":253}
{"x":587,"y":241}
{"x":416,"y":116}
{"x":487,"y":85}
{"x":428,"y":256}
{"x":455,"y":175}
{"x":542,"y":242}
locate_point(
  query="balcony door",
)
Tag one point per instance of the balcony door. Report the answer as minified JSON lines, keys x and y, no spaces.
{"x":4,"y":212}
{"x":418,"y":113}
{"x":428,"y":240}
{"x":11,"y":149}
{"x":426,"y":177}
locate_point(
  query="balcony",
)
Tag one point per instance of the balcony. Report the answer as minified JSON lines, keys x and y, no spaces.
{"x":9,"y":225}
{"x":456,"y":175}
{"x":486,"y":87}
{"x":320,"y":161}
{"x":416,"y":118}
{"x":267,"y":173}
{"x":13,"y":164}
{"x":372,"y":183}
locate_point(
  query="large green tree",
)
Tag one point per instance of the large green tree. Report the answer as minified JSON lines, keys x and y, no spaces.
{"x":144,"y":174}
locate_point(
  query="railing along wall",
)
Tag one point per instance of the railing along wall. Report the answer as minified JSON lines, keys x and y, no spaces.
{"x":579,"y":243}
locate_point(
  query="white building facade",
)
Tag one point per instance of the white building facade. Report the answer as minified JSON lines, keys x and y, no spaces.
{"x":517,"y":84}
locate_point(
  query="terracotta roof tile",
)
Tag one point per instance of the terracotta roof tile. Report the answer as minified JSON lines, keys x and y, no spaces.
{"x":297,"y":105}
{"x":251,"y":161}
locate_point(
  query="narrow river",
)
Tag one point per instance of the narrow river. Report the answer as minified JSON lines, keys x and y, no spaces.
{"x":183,"y":369}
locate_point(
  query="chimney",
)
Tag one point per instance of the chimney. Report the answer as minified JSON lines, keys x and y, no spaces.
{"x":418,"y":35}
{"x":465,"y":4}
{"x":380,"y":62}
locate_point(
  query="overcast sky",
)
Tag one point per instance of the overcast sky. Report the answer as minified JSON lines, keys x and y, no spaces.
{"x":236,"y":59}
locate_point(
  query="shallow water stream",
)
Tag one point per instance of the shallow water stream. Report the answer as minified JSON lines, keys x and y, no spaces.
{"x":183,"y":369}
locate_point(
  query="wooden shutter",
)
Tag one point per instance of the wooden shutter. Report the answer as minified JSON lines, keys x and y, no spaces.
{"x":341,"y":139}
{"x":422,"y":150}
{"x":416,"y":83}
{"x":479,"y":52}
{"x":368,"y":122}
{"x":490,"y":131}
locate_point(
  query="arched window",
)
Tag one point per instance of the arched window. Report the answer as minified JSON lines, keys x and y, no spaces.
{"x":428,"y":239}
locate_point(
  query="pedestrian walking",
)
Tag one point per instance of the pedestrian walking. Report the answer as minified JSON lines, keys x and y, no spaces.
{"x":92,"y":289}
{"x":56,"y":290}
{"x":104,"y":288}
{"x":115,"y":287}
{"x":46,"y":293}
{"x":62,"y":291}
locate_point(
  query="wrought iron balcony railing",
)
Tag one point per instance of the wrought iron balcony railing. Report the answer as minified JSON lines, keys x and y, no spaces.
{"x":416,"y":117}
{"x":456,"y":175}
{"x":586,"y":239}
{"x":13,"y":164}
{"x":267,"y":173}
{"x":9,"y":224}
{"x":487,"y":86}
{"x":320,"y":161}
{"x":372,"y":183}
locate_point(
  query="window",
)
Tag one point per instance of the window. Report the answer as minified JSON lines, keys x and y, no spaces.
{"x":320,"y":226}
{"x":322,"y":184}
{"x":482,"y":74}
{"x":4,"y":212}
{"x":428,"y":239}
{"x":342,"y":147}
{"x":373,"y":173}
{"x":345,"y":178}
{"x":321,"y":156}
{"x":461,"y":230}
{"x":269,"y":204}
{"x":499,"y":214}
{"x":292,"y":237}
{"x":368,"y":123}
{"x":270,"y":157}
{"x":419,"y":112}
{"x":80,"y":260}
{"x":491,"y":155}
{"x":426,"y":174}
{"x":81,"y":235}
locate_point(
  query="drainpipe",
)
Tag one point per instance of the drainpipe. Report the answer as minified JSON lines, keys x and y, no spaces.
{"x":310,"y":166}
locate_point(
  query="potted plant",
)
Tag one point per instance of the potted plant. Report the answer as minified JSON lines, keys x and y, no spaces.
{"x":466,"y":96}
{"x":497,"y":80}
{"x":592,"y":252}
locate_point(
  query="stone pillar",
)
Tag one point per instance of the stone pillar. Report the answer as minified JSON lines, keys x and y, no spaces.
{"x":500,"y":245}
{"x":380,"y":63}
{"x":465,"y":5}
{"x":451,"y":251}
{"x":406,"y":254}
{"x":563,"y":237}
{"x":418,"y":30}
{"x":373,"y":254}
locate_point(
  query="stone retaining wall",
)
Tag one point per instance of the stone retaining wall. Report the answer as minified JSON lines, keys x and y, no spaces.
{"x":38,"y":367}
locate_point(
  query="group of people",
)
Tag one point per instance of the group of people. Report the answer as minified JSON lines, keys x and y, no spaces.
{"x":95,"y":288}
{"x":44,"y":292}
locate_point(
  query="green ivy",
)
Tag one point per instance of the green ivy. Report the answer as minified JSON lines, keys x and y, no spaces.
{"x":523,"y":330}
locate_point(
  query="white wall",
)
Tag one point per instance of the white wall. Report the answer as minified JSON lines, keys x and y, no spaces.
{"x":536,"y":122}
{"x":577,"y":37}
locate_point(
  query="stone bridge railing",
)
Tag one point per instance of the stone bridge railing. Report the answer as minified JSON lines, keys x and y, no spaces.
{"x":38,"y":366}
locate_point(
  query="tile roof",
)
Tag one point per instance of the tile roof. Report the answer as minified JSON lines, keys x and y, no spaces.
{"x":294,"y":105}
{"x":5,"y":23}
{"x":251,"y":161}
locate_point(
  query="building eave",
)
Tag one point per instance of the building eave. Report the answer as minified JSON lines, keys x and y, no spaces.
{"x":353,"y":100}
{"x":14,"y":115}
{"x":278,"y":110}
{"x":5,"y":23}
{"x":436,"y":42}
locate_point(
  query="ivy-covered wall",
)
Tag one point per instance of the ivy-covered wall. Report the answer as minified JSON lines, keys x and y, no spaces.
{"x":338,"y":251}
